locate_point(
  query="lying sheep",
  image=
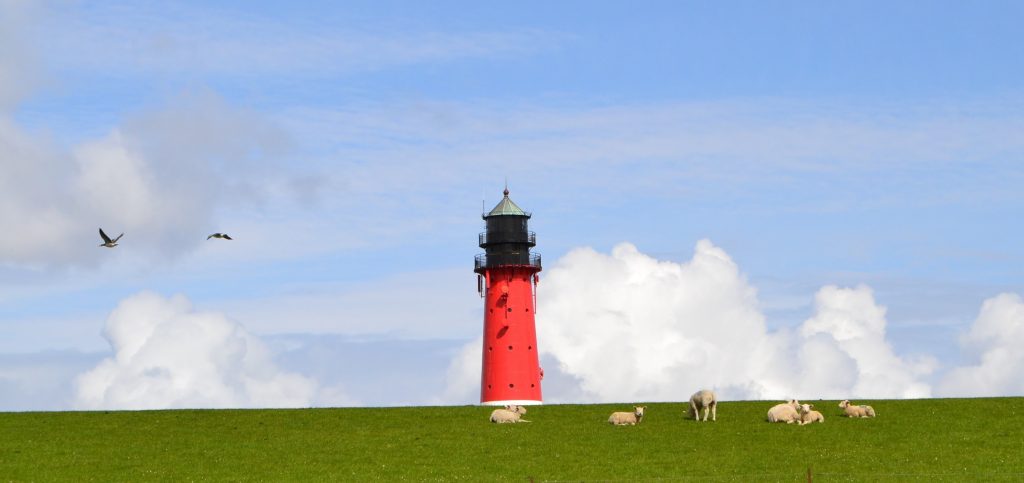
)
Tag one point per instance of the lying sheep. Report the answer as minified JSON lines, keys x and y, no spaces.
{"x":510,"y":414}
{"x":861,"y":411}
{"x":704,"y":399}
{"x":624,"y":418}
{"x":788,"y":412}
{"x":808,"y":415}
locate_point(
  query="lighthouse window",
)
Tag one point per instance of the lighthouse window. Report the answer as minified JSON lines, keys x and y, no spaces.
{"x":529,"y":347}
{"x":490,"y":348}
{"x":510,"y":309}
{"x":488,"y":386}
{"x":532,"y":385}
{"x":510,"y":386}
{"x":509,"y":347}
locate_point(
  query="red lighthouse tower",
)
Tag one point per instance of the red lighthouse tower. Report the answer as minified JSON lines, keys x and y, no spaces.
{"x":507,"y":281}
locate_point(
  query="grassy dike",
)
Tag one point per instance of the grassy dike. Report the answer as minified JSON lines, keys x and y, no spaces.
{"x":917,"y":440}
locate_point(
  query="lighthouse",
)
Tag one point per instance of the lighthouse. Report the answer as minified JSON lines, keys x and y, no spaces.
{"x":507,"y":280}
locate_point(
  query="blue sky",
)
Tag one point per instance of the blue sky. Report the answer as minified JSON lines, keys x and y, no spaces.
{"x":866,"y":146}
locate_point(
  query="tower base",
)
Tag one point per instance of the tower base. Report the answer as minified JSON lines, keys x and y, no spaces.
{"x":518,"y":402}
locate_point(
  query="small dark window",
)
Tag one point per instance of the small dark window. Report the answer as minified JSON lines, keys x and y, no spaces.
{"x":529,"y":347}
{"x":510,"y":386}
{"x":509,"y":347}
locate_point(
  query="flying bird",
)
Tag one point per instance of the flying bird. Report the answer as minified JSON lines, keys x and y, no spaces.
{"x":107,"y":242}
{"x":220,"y":235}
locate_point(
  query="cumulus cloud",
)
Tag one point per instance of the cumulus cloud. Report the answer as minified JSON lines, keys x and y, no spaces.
{"x":846,"y":337}
{"x":994,"y":343}
{"x":168,"y":355}
{"x":626,"y":327}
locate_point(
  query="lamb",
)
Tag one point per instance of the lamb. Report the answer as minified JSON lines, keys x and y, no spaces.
{"x":788,"y":412}
{"x":510,"y":414}
{"x":808,"y":415}
{"x":704,"y":399}
{"x":861,"y":411}
{"x":624,"y":418}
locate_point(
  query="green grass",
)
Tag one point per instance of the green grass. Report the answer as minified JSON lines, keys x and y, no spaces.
{"x":921,"y":440}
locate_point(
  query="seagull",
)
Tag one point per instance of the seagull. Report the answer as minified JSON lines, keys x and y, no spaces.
{"x":220,"y":235}
{"x":107,"y":242}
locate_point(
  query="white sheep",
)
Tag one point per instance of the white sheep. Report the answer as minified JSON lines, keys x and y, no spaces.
{"x":788,"y":412}
{"x":704,"y":399}
{"x":624,"y":418}
{"x":861,"y":411}
{"x":808,"y":415}
{"x":510,"y":414}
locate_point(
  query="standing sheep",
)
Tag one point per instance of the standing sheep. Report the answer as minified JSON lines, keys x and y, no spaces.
{"x":624,"y":418}
{"x":510,"y":414}
{"x":704,"y":399}
{"x":788,"y":412}
{"x":861,"y":411}
{"x":808,"y":415}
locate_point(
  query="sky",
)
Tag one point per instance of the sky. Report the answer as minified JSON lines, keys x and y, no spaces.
{"x":772,"y":200}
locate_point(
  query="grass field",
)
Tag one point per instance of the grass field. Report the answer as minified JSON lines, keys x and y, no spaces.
{"x":919,"y":440}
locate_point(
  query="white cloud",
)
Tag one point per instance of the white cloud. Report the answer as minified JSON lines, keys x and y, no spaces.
{"x":161,"y":179}
{"x":994,"y":341}
{"x":846,"y":337}
{"x":462,"y":381}
{"x":167,"y":355}
{"x":628,"y":327}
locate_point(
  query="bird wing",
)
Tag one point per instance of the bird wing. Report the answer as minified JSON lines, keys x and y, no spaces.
{"x":211,"y":236}
{"x":118,"y":237}
{"x":227,"y":237}
{"x":106,"y":239}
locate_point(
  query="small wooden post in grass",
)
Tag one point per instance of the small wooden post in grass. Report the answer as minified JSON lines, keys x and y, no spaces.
{"x":810,"y":477}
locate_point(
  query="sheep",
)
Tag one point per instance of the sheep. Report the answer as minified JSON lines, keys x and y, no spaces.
{"x":787,"y":412}
{"x":510,"y":414}
{"x":704,"y":399}
{"x":624,"y":418}
{"x":861,"y":411}
{"x":808,"y":415}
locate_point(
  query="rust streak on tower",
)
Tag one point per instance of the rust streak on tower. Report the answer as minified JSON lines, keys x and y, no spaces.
{"x":507,"y":280}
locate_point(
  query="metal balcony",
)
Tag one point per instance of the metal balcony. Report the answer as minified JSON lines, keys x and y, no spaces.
{"x":482,"y":261}
{"x":529,"y":238}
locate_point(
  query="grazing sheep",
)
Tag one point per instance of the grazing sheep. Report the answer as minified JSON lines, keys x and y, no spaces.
{"x":808,"y":415}
{"x":704,"y":399}
{"x":510,"y":414}
{"x":788,"y":412}
{"x":624,"y":418}
{"x":861,"y":411}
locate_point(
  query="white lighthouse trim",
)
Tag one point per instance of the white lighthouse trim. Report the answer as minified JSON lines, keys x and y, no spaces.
{"x":520,"y":402}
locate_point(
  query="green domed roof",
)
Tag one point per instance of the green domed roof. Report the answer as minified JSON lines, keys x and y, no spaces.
{"x":507,"y":207}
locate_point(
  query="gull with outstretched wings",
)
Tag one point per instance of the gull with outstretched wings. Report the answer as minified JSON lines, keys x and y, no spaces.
{"x":107,"y":242}
{"x":220,"y":235}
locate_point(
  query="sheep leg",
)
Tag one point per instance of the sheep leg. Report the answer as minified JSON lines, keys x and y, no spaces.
{"x":714,"y":411}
